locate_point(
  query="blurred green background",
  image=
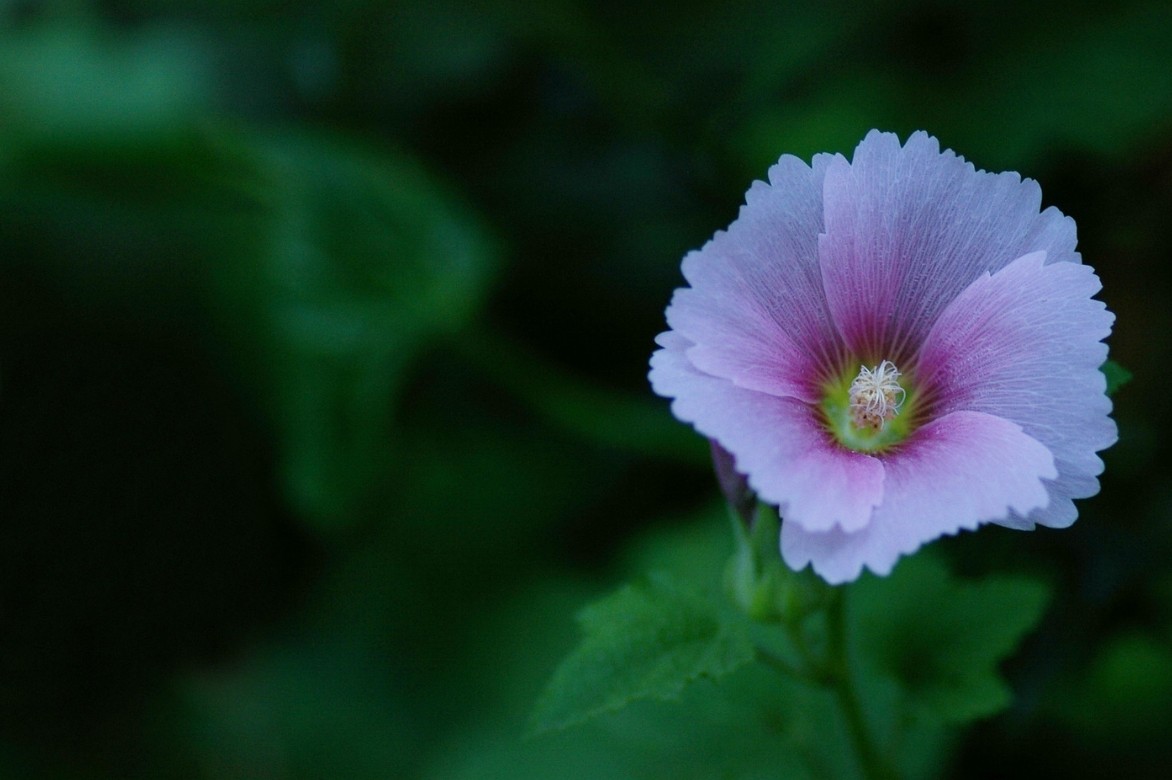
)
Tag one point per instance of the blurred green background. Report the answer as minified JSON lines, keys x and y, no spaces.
{"x":323,"y":343}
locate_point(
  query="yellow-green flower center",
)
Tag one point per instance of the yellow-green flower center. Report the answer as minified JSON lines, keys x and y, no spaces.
{"x":871,"y":411}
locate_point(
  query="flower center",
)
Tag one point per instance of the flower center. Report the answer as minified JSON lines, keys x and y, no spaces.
{"x":864,"y":415}
{"x":876,"y":395}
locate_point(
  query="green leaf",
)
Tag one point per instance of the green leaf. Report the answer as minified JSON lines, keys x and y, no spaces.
{"x":321,"y":707}
{"x":940,"y":638}
{"x":753,"y":725}
{"x":646,"y":641}
{"x":355,"y":262}
{"x":76,"y":83}
{"x":1124,"y":698}
{"x":1094,"y":82}
{"x":1117,"y":376}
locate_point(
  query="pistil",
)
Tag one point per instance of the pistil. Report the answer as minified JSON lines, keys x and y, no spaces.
{"x":876,"y":396}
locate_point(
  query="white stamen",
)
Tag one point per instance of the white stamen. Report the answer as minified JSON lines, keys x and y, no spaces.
{"x":876,"y":395}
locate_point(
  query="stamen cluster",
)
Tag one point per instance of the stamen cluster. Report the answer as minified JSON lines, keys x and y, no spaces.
{"x":876,"y":395}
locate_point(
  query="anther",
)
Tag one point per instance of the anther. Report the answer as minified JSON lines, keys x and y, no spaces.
{"x":876,"y":395}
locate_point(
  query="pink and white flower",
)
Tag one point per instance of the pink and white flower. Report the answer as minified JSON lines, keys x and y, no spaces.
{"x":894,"y":348}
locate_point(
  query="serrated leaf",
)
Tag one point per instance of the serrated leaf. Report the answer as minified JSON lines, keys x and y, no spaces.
{"x":1117,"y":376}
{"x":755,"y":725}
{"x":645,"y":641}
{"x":941,"y":638}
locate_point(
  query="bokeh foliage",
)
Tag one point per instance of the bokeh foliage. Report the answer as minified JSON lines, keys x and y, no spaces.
{"x":322,"y":373}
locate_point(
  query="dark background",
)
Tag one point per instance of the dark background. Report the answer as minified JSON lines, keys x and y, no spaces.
{"x":323,"y":343}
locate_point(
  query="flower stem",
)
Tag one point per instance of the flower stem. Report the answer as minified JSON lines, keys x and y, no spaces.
{"x":842,"y":683}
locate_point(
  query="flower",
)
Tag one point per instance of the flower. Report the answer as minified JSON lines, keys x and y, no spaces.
{"x":894,"y":348}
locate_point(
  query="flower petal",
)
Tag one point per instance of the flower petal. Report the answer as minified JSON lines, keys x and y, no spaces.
{"x":955,"y":473}
{"x":907,"y":228}
{"x":780,"y":443}
{"x":1025,"y":344}
{"x":755,"y":311}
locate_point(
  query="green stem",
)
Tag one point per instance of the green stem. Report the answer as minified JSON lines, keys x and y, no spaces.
{"x":841,"y":682}
{"x":768,"y":592}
